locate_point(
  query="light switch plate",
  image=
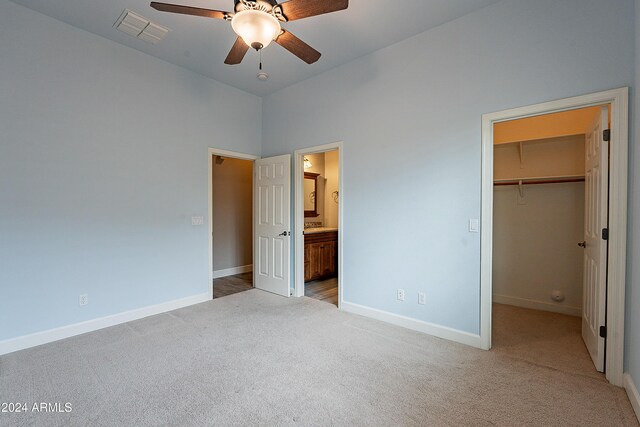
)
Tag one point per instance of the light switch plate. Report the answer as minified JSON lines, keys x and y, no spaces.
{"x":474,"y":225}
{"x":197,"y":220}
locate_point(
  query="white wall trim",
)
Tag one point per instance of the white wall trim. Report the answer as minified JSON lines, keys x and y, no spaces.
{"x":218,"y":152}
{"x":39,"y":338}
{"x":232,"y":271}
{"x":632,"y":392}
{"x":414,"y":324}
{"x":298,"y":174}
{"x":619,"y":101}
{"x":232,"y":154}
{"x":537,"y":305}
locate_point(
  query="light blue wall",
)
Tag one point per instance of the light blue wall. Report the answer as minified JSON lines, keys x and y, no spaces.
{"x":410,"y":119}
{"x":103,"y":160}
{"x":103,"y":157}
{"x":632,"y":338}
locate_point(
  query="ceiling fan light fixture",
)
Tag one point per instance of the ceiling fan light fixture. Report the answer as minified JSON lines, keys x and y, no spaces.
{"x":256,"y":28}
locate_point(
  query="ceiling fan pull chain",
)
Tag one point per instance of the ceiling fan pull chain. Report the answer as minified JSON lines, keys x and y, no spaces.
{"x":260,"y":51}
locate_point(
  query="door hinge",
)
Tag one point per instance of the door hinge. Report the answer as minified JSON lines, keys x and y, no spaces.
{"x":603,"y":331}
{"x":606,"y":134}
{"x":605,"y":234}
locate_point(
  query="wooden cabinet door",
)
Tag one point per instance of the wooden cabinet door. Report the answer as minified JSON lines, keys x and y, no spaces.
{"x":315,"y":260}
{"x":307,"y":262}
{"x":328,"y":257}
{"x":320,"y":256}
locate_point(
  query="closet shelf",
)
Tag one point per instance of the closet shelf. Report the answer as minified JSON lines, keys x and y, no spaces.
{"x":539,"y":180}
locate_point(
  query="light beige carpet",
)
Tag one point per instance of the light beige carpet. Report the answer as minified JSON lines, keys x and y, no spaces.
{"x":258,"y":359}
{"x":542,"y":338}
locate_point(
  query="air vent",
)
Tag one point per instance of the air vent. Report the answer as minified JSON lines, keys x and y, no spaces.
{"x":138,"y":26}
{"x":153,"y":33}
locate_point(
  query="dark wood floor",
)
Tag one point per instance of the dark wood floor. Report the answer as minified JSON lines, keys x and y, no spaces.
{"x":323,"y":290}
{"x":232,"y":284}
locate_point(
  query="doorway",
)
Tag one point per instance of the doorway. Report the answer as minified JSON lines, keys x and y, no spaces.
{"x":230,"y":222}
{"x":541,"y":287}
{"x":614,"y":275}
{"x":319,"y":228}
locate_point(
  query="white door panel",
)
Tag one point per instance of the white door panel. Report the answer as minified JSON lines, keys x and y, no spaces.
{"x":272,"y":224}
{"x":595,"y":247}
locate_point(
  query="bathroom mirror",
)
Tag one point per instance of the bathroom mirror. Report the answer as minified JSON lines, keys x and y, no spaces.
{"x":310,"y":192}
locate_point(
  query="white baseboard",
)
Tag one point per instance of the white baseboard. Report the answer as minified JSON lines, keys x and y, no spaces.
{"x":231,"y":271}
{"x":414,"y":324}
{"x":537,"y":305}
{"x":632,"y":391}
{"x":38,"y":338}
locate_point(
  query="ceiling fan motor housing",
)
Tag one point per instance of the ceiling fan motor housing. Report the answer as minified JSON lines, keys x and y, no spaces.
{"x":264,"y":5}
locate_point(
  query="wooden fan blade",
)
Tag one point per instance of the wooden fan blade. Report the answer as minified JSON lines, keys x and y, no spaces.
{"x":298,"y":47}
{"x":237,"y":53}
{"x":188,"y":10}
{"x":298,"y":9}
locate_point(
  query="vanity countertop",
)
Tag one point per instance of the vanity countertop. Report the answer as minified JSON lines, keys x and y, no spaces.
{"x":316,"y":230}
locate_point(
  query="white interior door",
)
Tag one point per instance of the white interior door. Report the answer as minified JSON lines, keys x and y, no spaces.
{"x":595,"y":246}
{"x":272,"y":192}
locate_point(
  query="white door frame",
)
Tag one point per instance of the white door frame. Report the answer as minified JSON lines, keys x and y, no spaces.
{"x":298,"y":189}
{"x":234,"y":155}
{"x":619,"y":101}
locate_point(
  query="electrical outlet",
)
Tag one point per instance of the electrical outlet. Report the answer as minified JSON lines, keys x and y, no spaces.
{"x":422,"y":298}
{"x":84,"y":299}
{"x":400,"y":294}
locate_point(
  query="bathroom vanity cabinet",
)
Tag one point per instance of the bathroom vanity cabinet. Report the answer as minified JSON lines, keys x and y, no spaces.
{"x":320,"y":255}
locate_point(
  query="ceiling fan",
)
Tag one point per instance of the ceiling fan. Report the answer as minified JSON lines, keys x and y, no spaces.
{"x":257,"y":23}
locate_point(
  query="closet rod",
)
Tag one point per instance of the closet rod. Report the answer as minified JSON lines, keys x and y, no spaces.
{"x":551,"y":181}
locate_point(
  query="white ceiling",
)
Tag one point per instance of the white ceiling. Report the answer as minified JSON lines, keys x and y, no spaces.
{"x":201,"y":44}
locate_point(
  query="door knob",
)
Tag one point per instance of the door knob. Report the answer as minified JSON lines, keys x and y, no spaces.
{"x":284,"y":233}
{"x":583,"y":244}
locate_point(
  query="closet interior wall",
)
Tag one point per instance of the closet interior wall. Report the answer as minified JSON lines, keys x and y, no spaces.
{"x":538,"y":221}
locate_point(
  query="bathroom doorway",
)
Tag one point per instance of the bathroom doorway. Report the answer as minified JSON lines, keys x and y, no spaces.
{"x":318,"y":228}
